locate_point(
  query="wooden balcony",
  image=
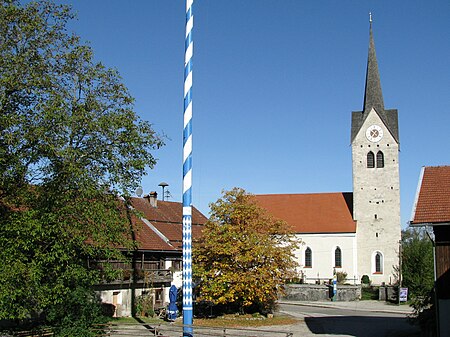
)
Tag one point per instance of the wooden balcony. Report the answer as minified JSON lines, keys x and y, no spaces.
{"x":143,"y":278}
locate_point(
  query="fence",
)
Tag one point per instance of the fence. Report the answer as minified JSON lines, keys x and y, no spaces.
{"x":28,"y":333}
{"x":172,"y":330}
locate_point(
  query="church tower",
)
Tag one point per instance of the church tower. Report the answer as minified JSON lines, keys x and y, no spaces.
{"x":376,"y":185}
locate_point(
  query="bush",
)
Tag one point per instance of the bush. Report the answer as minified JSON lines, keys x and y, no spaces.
{"x":341,"y":276}
{"x":365,"y":280}
{"x":144,"y":306}
{"x":81,"y":310}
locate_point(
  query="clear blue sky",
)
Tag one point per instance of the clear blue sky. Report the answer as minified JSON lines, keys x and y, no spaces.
{"x":275,"y":82}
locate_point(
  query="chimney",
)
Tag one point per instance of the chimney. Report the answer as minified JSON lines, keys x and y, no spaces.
{"x":152,"y":199}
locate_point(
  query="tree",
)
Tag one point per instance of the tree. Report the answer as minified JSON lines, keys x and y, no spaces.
{"x":417,"y":262}
{"x":70,"y":143}
{"x":418,"y":275}
{"x":244,"y":255}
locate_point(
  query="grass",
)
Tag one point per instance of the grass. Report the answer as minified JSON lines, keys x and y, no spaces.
{"x":244,"y":321}
{"x":132,"y":320}
{"x":227,"y":321}
{"x":369,"y":293}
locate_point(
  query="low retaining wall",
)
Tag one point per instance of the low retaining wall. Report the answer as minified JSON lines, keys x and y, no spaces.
{"x":388,"y":294}
{"x":313,"y":292}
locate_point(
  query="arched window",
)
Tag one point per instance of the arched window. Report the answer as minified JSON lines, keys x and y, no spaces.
{"x":370,"y":160}
{"x":308,"y":257}
{"x":380,"y":159}
{"x":378,"y":263}
{"x":338,"y":257}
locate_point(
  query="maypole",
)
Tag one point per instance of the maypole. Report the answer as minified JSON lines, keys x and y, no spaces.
{"x":187,"y":175}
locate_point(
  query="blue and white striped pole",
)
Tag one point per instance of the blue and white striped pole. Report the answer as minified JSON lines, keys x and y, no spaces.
{"x":187,"y":175}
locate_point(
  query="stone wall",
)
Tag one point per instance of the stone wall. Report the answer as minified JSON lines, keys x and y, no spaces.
{"x":312,"y":292}
{"x":388,"y":294}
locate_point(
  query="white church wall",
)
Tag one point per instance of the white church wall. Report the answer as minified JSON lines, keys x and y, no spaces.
{"x":323,"y":248}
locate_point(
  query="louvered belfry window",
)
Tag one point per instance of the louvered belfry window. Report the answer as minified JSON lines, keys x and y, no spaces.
{"x":370,"y":160}
{"x":380,"y":159}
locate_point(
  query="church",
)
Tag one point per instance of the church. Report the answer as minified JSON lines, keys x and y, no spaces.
{"x":353,"y":233}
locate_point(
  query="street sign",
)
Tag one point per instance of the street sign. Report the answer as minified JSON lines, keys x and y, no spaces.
{"x":403,"y":294}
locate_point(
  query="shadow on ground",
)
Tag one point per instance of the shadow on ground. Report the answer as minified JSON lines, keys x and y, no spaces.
{"x":362,"y":326}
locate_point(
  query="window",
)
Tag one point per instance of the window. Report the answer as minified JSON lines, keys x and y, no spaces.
{"x":176,"y":265}
{"x":378,"y":263}
{"x":338,"y":257}
{"x":308,"y":257}
{"x":380,"y":159}
{"x":370,"y":160}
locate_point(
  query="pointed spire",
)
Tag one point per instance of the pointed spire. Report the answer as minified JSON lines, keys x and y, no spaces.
{"x":373,"y":97}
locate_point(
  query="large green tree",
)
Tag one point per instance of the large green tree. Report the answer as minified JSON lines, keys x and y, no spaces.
{"x":244,"y":255}
{"x":418,"y":275}
{"x":417,"y":263}
{"x":70,"y":143}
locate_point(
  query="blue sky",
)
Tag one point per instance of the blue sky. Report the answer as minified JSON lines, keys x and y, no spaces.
{"x":275,"y":82}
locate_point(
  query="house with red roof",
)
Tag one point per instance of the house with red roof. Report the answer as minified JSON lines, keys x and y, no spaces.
{"x":156,"y":263}
{"x":432,"y":208}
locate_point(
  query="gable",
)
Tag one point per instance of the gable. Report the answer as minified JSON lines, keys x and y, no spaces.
{"x":388,"y":117}
{"x":312,"y":213}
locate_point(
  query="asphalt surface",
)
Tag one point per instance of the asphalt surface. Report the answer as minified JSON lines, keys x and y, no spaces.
{"x":325,"y":319}
{"x":345,"y":319}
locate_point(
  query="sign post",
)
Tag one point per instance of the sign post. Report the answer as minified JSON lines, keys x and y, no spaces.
{"x":334,"y":285}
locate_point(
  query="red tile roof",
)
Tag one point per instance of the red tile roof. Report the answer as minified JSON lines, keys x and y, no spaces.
{"x":148,"y":239}
{"x":312,"y":213}
{"x":166,"y":211}
{"x":433,"y":197}
{"x":167,"y":219}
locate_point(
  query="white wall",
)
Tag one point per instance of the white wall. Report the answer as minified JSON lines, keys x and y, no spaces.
{"x":323,"y":247}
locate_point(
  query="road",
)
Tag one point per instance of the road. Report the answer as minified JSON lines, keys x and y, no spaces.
{"x":324,"y":321}
{"x":347,"y":320}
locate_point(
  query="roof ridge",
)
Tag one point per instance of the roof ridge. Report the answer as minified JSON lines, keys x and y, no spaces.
{"x":311,"y":193}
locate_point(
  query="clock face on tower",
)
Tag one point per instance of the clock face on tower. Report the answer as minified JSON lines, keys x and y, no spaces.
{"x":374,"y":133}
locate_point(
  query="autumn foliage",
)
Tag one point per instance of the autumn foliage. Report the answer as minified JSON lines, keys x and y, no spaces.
{"x":244,"y":256}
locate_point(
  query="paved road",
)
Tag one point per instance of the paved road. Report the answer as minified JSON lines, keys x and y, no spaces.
{"x":324,"y":319}
{"x":335,"y":321}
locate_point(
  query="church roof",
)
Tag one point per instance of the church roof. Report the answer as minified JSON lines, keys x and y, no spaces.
{"x":373,"y":97}
{"x":432,"y":205}
{"x":312,"y":213}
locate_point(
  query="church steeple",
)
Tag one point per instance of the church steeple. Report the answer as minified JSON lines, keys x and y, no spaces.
{"x":373,"y":97}
{"x":376,"y":183}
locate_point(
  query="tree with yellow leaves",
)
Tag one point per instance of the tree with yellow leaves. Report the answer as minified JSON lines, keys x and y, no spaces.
{"x":244,"y":255}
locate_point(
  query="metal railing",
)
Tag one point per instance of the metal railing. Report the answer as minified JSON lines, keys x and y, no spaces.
{"x":172,"y":330}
